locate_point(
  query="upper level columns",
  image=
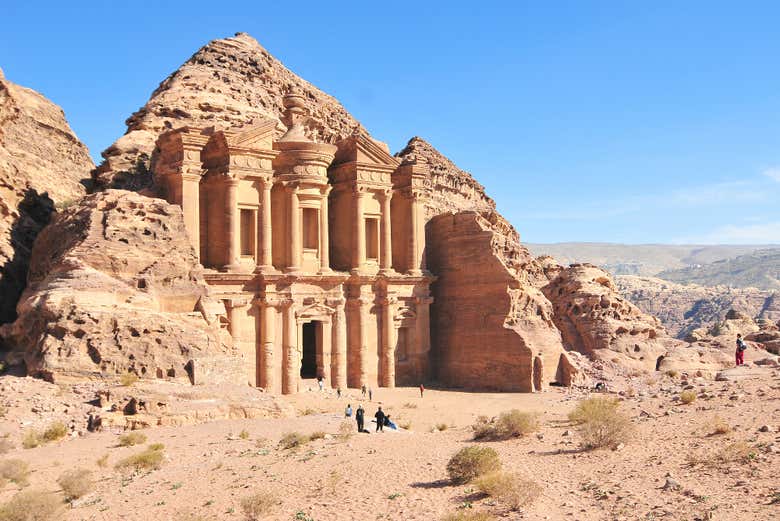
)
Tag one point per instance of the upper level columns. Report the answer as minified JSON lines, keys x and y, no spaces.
{"x":264,"y":230}
{"x":386,"y":250}
{"x":232,"y":224}
{"x":359,"y":227}
{"x":324,"y":232}
{"x":296,"y":244}
{"x":417,"y":242}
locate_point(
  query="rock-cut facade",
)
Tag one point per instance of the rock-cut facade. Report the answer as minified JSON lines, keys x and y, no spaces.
{"x":316,"y":250}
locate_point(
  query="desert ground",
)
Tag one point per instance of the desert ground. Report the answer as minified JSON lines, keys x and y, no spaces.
{"x":673,"y":466}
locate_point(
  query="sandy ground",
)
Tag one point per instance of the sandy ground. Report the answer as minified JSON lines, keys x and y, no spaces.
{"x":401,"y":475}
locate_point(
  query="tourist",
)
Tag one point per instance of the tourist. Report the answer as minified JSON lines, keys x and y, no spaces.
{"x":348,"y":411}
{"x":359,"y":417}
{"x":363,"y":390}
{"x":741,"y":347}
{"x":338,"y":392}
{"x":321,"y":382}
{"x":370,"y":394}
{"x":422,"y":390}
{"x":390,"y":423}
{"x":380,"y":420}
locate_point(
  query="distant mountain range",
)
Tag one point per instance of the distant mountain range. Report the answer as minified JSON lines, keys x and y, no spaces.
{"x":679,"y":263}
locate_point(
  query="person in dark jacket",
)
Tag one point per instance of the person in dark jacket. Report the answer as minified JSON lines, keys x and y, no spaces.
{"x":740,"y":353}
{"x":380,"y":420}
{"x":359,"y":416}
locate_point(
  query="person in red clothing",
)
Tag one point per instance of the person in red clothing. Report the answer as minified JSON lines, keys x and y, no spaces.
{"x":422,"y":390}
{"x":741,"y":347}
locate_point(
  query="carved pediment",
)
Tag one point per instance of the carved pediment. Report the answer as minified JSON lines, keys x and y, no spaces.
{"x":362,"y":149}
{"x":258,"y":135}
{"x":315,"y":310}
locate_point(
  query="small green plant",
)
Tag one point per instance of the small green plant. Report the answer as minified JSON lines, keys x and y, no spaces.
{"x":688,"y":396}
{"x":15,"y":470}
{"x":75,"y":483}
{"x":128,"y":379}
{"x":244,"y":434}
{"x":32,"y":505}
{"x":292,"y":440}
{"x":147,"y":459}
{"x":132,"y":438}
{"x":471,"y":462}
{"x":395,"y":495}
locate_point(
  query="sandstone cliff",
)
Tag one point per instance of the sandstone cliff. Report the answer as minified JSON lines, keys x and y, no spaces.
{"x":685,"y":308}
{"x":227,"y":83}
{"x":115,"y":287}
{"x":42,"y":164}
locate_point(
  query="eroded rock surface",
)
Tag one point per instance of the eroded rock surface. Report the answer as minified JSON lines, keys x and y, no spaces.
{"x":115,"y":287}
{"x":42,"y":164}
{"x":227,"y":83}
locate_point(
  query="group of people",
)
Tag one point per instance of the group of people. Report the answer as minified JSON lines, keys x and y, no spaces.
{"x":382,"y":420}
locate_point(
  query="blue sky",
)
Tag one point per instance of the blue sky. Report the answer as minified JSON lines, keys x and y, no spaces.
{"x":586,"y":121}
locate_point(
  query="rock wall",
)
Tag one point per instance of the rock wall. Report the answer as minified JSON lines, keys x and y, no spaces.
{"x":115,"y":287}
{"x":42,"y":165}
{"x":227,"y":83}
{"x":595,"y":320}
{"x":490,"y":329}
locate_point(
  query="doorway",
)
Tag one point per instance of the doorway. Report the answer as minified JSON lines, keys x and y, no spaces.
{"x":309,"y":348}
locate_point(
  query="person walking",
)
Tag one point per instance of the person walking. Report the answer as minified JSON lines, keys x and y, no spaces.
{"x":348,"y":411}
{"x":359,"y":416}
{"x":321,"y":382}
{"x":380,"y":420}
{"x":741,"y":348}
{"x":422,"y":390}
{"x":363,"y":390}
{"x":338,"y":392}
{"x":370,"y":394}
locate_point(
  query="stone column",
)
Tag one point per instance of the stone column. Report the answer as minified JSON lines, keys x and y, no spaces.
{"x":363,"y":353}
{"x":324,"y":233}
{"x":388,"y":341}
{"x":295,"y":231}
{"x":416,"y":250}
{"x":233,"y":307}
{"x":264,"y":230}
{"x":327,"y":342}
{"x":386,"y":254}
{"x":423,"y":335}
{"x":190,"y":205}
{"x":291,"y":369}
{"x":338,"y":361}
{"x":266,"y":358}
{"x":359,"y":252}
{"x":232,"y":224}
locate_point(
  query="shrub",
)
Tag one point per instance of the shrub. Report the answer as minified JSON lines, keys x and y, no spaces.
{"x":719,"y":426}
{"x":470,"y":462}
{"x":600,"y":422}
{"x":510,"y":489}
{"x":75,"y":483}
{"x":244,"y":434}
{"x":55,"y":431}
{"x":148,"y":459}
{"x":156,"y":446}
{"x":736,"y":452}
{"x":103,"y":461}
{"x":671,"y":373}
{"x":132,"y":438}
{"x":258,"y":505}
{"x":31,"y":439}
{"x":15,"y":470}
{"x":31,"y":505}
{"x":293,"y":439}
{"x":128,"y":379}
{"x":467,"y":515}
{"x":688,"y":396}
{"x":316,"y":435}
{"x":346,"y":430}
{"x":509,"y":424}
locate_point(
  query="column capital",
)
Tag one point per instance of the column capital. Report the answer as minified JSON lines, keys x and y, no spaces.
{"x":423,"y":300}
{"x":385,"y":195}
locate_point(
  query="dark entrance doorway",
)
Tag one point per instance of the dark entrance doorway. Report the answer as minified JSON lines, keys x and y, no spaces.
{"x":309,"y":346}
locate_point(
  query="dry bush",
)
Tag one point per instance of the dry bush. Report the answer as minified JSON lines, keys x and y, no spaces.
{"x":147,"y":459}
{"x":75,"y":483}
{"x":346,"y":430}
{"x":671,"y":373}
{"x":719,"y":426}
{"x":735,"y":452}
{"x":55,"y":431}
{"x":316,"y":435}
{"x":244,"y":434}
{"x":15,"y":470}
{"x":6,"y":445}
{"x":132,"y":438}
{"x":601,"y":423}
{"x":31,"y":505}
{"x":410,"y":405}
{"x":259,"y":505}
{"x":509,"y":424}
{"x":292,"y":440}
{"x":31,"y":439}
{"x":470,"y":462}
{"x":510,"y":489}
{"x":103,"y":461}
{"x":688,"y":396}
{"x":469,"y":515}
{"x":128,"y":379}
{"x":308,"y":411}
{"x":156,"y":446}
